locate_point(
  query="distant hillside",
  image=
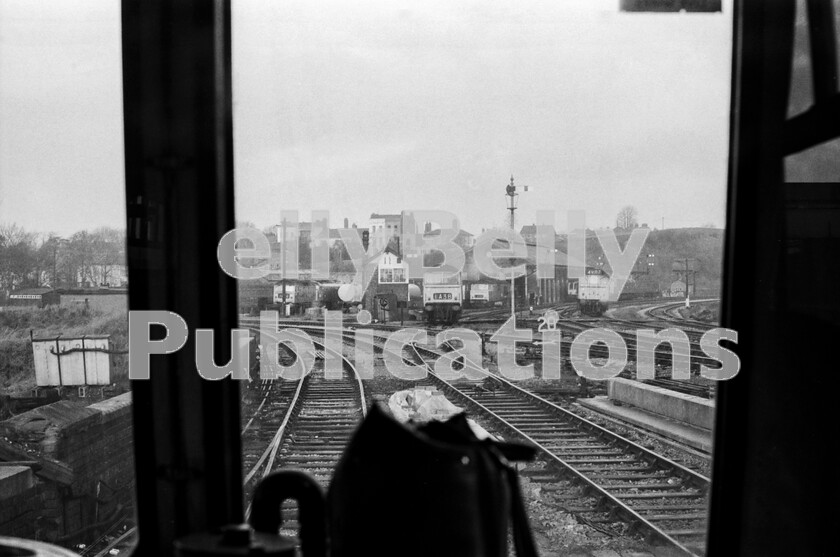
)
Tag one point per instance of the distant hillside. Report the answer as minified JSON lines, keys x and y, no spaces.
{"x":670,"y":246}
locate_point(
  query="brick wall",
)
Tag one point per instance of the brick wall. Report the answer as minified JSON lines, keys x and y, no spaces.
{"x":95,"y":444}
{"x":34,"y":513}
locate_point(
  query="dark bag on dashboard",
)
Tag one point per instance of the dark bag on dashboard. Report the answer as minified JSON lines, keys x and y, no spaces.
{"x":432,"y":490}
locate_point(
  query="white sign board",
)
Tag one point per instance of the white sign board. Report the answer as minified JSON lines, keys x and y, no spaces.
{"x":71,"y":361}
{"x":278,"y":293}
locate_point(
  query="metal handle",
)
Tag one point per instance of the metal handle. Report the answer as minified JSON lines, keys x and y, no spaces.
{"x":303,"y":488}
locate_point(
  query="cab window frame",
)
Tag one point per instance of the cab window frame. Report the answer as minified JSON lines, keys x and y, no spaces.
{"x":179,"y":148}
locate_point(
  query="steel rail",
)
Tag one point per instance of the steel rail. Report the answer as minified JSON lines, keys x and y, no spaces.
{"x":691,"y":479}
{"x":592,"y":426}
{"x":271,"y":450}
{"x":279,"y":434}
{"x":115,"y":542}
{"x":269,"y":455}
{"x":265,"y":382}
{"x":626,"y":512}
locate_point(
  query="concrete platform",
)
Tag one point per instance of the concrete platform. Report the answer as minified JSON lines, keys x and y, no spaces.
{"x":692,"y":410}
{"x":695,"y":437}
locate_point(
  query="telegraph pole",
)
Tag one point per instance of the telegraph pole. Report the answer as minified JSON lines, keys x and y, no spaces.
{"x":365,"y":245}
{"x":403,"y":262}
{"x":685,"y":274}
{"x":283,"y":266}
{"x":510,"y":193}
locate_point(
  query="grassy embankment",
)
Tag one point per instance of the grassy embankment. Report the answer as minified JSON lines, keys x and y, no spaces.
{"x":17,"y":373}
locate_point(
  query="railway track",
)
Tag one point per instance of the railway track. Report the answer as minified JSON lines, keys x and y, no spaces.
{"x":669,"y":314}
{"x":620,"y":482}
{"x":685,"y":387}
{"x":325,"y":417}
{"x":262,"y":431}
{"x":626,"y":329}
{"x":311,"y":423}
{"x":627,"y":482}
{"x":662,"y":357}
{"x":119,"y":541}
{"x":122,"y":534}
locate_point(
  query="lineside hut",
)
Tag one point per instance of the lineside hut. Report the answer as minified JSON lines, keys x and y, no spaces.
{"x":33,"y":297}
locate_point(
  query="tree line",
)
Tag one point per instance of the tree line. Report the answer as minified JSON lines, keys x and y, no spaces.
{"x":87,"y":258}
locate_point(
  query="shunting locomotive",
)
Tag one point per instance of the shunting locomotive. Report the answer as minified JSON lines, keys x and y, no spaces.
{"x":486,"y":294}
{"x":442,"y":298}
{"x":593,"y":292}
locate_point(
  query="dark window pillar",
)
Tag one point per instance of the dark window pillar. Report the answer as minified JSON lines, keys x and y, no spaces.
{"x":179,"y":191}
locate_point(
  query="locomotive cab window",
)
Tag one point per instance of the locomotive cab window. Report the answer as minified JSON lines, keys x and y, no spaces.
{"x":502,"y":160}
{"x":414,"y":278}
{"x":67,"y":473}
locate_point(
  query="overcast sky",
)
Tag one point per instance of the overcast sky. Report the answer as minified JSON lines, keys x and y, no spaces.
{"x":388,"y":106}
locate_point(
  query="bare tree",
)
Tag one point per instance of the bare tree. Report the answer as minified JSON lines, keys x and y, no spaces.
{"x":18,"y":258}
{"x":93,"y":257}
{"x":109,"y":254}
{"x":627,"y":218}
{"x":11,"y":234}
{"x":31,"y":259}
